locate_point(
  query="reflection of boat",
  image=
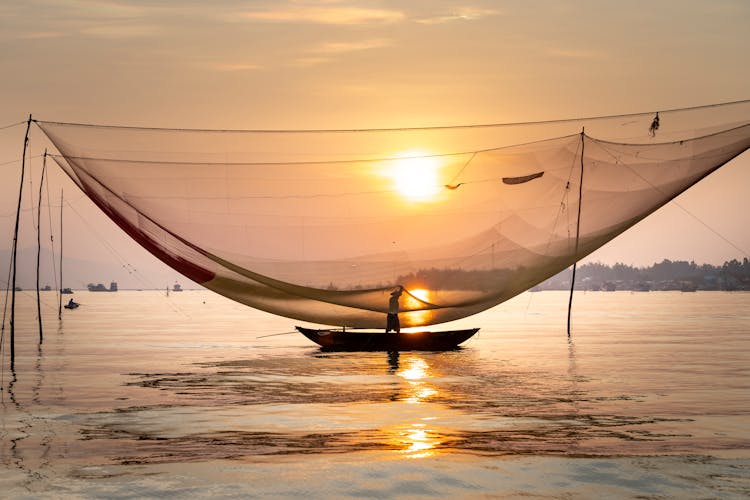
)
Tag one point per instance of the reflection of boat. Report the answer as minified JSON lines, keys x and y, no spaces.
{"x":362,"y":340}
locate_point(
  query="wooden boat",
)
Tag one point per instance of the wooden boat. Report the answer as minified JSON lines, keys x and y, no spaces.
{"x":362,"y":340}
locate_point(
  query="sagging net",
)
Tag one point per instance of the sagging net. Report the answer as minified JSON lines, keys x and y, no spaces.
{"x":322,"y":225}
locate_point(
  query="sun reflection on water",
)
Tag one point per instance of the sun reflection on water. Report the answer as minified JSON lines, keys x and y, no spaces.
{"x":416,"y":370}
{"x":416,"y":440}
{"x":420,"y":442}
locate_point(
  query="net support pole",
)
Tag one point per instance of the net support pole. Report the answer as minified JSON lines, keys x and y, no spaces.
{"x":59,"y":303}
{"x":39,"y":247}
{"x":578,"y":233}
{"x":14,"y":254}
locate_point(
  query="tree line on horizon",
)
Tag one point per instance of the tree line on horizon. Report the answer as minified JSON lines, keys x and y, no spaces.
{"x":666,"y":275}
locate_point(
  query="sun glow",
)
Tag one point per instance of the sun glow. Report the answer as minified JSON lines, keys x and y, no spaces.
{"x":416,"y":299}
{"x":415,"y":175}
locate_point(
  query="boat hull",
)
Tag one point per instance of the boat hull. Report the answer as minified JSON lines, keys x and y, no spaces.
{"x":353,"y":340}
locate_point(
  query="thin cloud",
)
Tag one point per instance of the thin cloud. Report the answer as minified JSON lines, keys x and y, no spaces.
{"x":41,"y":35}
{"x":346,"y":47}
{"x":307,"y":62}
{"x":119,"y":30}
{"x":326,"y":14}
{"x":581,"y":54}
{"x":98,"y":9}
{"x":462,"y":14}
{"x":230,"y":67}
{"x":325,"y":53}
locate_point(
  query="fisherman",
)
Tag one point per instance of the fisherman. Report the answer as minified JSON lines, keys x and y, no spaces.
{"x":71,"y":303}
{"x":392,"y":322}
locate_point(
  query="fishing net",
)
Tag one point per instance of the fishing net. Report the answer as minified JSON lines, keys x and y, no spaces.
{"x":321,"y":226}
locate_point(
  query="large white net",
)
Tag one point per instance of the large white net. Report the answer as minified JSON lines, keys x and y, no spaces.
{"x":322,"y":225}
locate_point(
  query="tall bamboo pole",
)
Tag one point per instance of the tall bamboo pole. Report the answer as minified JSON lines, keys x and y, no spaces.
{"x":15,"y":251}
{"x":39,"y":247}
{"x":578,"y":233}
{"x":59,"y":304}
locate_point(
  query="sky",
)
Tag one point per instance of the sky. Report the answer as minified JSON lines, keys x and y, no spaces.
{"x":368,"y":64}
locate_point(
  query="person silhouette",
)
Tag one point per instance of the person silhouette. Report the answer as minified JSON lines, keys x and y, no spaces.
{"x":392,"y":322}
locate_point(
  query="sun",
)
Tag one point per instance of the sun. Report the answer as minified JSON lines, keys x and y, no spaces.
{"x":415,"y":175}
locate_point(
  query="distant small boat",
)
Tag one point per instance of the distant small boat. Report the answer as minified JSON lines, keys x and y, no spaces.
{"x":71,"y":304}
{"x":176,"y":288}
{"x":361,"y":340}
{"x":66,"y":291}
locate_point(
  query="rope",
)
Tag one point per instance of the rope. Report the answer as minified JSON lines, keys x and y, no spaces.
{"x":12,"y":125}
{"x":401,"y":129}
{"x":561,"y":208}
{"x":31,"y":191}
{"x":313,"y":162}
{"x":52,"y":242}
{"x":123,"y":262}
{"x":603,"y":144}
{"x":18,"y":161}
{"x":276,"y":334}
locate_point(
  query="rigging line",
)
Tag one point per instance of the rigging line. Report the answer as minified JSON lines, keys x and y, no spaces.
{"x":279,"y":197}
{"x":673,"y":199}
{"x":561,"y":207}
{"x":28,"y":294}
{"x":312,"y":162}
{"x":346,"y":194}
{"x":52,"y":242}
{"x":123,"y":262}
{"x":453,"y":180}
{"x":276,"y":334}
{"x":31,"y":190}
{"x":19,"y":161}
{"x":109,"y":247}
{"x":7,"y":290}
{"x":403,"y":129}
{"x":745,"y":124}
{"x":26,"y":210}
{"x":717,"y":233}
{"x":12,"y":125}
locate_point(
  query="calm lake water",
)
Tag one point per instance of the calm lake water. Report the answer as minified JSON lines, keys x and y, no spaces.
{"x":138,"y":395}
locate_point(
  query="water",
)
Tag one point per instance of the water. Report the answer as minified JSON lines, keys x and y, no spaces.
{"x":136,"y":395}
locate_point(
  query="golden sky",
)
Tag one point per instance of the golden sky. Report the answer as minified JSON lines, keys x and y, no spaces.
{"x":351,"y":64}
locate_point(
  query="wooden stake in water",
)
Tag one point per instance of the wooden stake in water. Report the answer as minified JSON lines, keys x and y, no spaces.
{"x":578,"y":234}
{"x":15,"y":251}
{"x":39,"y":246}
{"x":59,"y":305}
